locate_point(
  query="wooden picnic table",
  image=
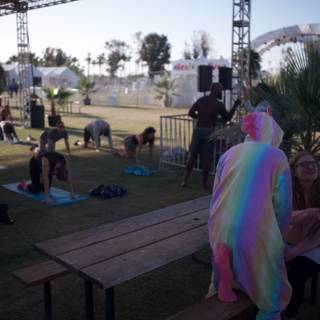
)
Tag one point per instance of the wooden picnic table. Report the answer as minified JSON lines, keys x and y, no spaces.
{"x":111,"y":254}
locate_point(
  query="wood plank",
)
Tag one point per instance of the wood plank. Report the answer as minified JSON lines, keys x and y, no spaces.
{"x":63,"y":244}
{"x":116,"y":246}
{"x":213,"y":309}
{"x":128,"y":266}
{"x":40,"y":273}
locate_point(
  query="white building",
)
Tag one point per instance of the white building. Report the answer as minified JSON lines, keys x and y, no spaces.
{"x":185,"y":74}
{"x":12,"y":73}
{"x":58,"y":77}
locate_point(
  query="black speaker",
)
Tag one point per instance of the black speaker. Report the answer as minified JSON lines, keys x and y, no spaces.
{"x":204,"y":78}
{"x":225,"y":77}
{"x":37,"y":116}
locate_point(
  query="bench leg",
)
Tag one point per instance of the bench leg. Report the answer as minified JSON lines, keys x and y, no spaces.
{"x":47,"y":300}
{"x":89,"y":300}
{"x":109,"y":301}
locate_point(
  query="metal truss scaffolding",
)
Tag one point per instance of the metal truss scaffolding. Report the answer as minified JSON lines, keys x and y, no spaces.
{"x":24,"y":63}
{"x":21,"y":8}
{"x":240,"y":56}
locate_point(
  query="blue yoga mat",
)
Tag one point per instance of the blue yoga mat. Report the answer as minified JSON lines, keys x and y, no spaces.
{"x":60,"y":196}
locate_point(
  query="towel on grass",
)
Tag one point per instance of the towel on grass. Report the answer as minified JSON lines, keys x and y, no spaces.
{"x":137,"y":170}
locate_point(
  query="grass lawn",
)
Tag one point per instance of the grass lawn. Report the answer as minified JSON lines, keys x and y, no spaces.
{"x":153,"y":296}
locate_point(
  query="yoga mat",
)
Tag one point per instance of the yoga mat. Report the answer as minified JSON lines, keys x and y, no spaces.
{"x":61,"y":196}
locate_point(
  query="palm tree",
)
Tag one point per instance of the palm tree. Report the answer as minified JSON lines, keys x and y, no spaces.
{"x":101,"y":60}
{"x":165,"y":88}
{"x":86,"y":87}
{"x":56,"y":97}
{"x":295,"y":97}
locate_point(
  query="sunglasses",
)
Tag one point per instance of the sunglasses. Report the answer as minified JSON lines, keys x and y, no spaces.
{"x":307,"y":164}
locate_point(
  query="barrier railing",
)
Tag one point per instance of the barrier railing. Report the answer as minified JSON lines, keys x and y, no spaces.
{"x":176,"y":134}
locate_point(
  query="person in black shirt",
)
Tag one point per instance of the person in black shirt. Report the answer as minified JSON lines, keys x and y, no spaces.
{"x":206,"y":110}
{"x":42,"y":167}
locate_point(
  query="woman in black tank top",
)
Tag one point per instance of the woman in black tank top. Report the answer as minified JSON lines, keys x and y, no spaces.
{"x":42,"y":167}
{"x":133,"y":143}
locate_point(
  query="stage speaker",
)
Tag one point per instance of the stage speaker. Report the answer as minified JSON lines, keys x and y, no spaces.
{"x":204,"y":78}
{"x":37,"y":116}
{"x":225,"y":77}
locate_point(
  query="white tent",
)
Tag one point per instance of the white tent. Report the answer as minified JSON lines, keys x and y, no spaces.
{"x":185,"y":74}
{"x":58,"y":77}
{"x":12,"y":73}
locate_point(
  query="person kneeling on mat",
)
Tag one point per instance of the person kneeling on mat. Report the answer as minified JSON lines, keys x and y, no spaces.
{"x":42,"y":167}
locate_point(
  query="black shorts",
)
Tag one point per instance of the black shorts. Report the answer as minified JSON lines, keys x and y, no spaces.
{"x":201,"y":143}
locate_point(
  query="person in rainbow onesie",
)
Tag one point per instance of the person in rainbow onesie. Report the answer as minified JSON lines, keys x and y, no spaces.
{"x":250,"y":207}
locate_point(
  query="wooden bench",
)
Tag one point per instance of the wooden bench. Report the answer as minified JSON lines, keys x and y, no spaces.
{"x":213,"y":309}
{"x":111,"y":254}
{"x":42,"y":273}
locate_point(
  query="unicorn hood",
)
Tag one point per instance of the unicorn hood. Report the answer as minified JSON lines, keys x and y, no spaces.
{"x":260,"y":126}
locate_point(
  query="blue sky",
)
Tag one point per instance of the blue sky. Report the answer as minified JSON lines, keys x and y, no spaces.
{"x":84,"y":26}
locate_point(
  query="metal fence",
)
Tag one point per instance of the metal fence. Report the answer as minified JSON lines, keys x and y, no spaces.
{"x":175,"y":138}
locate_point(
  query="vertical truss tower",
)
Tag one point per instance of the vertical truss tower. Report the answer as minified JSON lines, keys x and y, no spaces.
{"x":24,"y":63}
{"x":240,"y":57}
{"x":21,"y":8}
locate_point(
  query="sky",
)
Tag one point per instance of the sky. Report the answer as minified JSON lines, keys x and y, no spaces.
{"x":85,"y":25}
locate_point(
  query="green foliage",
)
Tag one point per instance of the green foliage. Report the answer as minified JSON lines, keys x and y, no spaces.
{"x":57,"y":97}
{"x":255,"y":64}
{"x":117,"y":54}
{"x":295,"y":98}
{"x":155,"y":51}
{"x":165,"y":88}
{"x":2,"y":80}
{"x":86,"y":86}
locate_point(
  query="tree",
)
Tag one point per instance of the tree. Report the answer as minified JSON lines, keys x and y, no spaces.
{"x":255,"y":64}
{"x":35,"y":60}
{"x":155,"y":51}
{"x":57,"y":97}
{"x":86,"y":87}
{"x":201,"y":45}
{"x":2,"y":79}
{"x":295,"y":97}
{"x":12,"y":59}
{"x":187,"y":52}
{"x":117,"y":54}
{"x":165,"y":88}
{"x":101,"y":60}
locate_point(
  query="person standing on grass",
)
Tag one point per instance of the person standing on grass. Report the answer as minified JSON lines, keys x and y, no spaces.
{"x":250,"y":209}
{"x":49,"y":138}
{"x":94,"y":130}
{"x":206,"y":111}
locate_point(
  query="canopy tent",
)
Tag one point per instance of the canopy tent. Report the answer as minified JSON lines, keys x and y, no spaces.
{"x":58,"y":77}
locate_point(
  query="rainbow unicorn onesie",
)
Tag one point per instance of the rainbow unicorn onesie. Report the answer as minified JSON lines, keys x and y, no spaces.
{"x":250,"y":207}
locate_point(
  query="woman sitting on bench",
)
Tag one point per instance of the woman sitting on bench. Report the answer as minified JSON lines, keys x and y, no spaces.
{"x":303,"y":233}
